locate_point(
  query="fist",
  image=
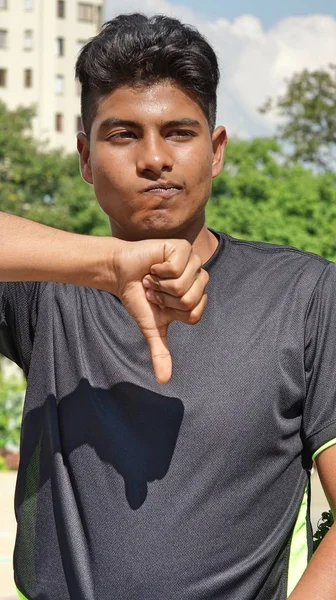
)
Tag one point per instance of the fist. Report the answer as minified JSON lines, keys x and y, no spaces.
{"x":160,"y":281}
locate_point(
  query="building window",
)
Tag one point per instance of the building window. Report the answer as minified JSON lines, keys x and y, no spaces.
{"x":3,"y":38}
{"x":61,"y":9}
{"x":60,"y":46}
{"x":99,"y":16}
{"x":59,"y":122}
{"x":28,"y":4}
{"x":28,"y":78}
{"x":3,"y":4}
{"x":3,"y":78}
{"x":85,"y":12}
{"x":28,"y":39}
{"x":59,"y":85}
{"x":79,"y":123}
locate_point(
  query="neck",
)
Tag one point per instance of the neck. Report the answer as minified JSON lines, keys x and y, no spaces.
{"x":203,"y":241}
{"x":205,"y":244}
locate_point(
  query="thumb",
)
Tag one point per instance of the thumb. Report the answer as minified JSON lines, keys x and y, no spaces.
{"x":160,"y":355}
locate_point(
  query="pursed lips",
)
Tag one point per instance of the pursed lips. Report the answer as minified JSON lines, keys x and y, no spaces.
{"x":166,"y":190}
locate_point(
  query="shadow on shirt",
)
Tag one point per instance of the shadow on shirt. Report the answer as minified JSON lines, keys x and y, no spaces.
{"x":130,"y":427}
{"x":77,"y":439}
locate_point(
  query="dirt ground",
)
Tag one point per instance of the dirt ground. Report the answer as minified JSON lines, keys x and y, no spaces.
{"x":7,"y":527}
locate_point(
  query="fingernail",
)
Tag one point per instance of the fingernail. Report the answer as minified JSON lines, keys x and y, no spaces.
{"x":146,"y":283}
{"x":150,"y":295}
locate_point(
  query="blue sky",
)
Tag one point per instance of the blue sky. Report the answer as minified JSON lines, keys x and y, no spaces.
{"x":268,"y":11}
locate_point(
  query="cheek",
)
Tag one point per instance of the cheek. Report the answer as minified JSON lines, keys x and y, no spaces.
{"x":198,"y":162}
{"x":109,"y":176}
{"x":112,"y":181}
{"x":105,"y":164}
{"x":203,"y":173}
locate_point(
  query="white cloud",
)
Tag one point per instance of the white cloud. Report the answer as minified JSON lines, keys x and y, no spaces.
{"x":253,"y":62}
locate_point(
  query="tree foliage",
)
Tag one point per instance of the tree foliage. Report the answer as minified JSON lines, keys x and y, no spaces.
{"x":258,"y":196}
{"x":11,"y":402}
{"x":43,"y":185}
{"x":308,"y":112}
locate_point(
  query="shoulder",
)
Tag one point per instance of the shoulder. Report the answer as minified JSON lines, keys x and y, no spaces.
{"x":278,"y":250}
{"x":280,"y":260}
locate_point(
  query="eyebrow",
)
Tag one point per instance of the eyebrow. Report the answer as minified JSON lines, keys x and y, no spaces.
{"x":113,"y":121}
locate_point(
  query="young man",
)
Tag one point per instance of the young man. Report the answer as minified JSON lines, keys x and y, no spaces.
{"x":198,"y":489}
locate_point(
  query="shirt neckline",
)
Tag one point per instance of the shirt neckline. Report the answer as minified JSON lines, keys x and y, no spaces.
{"x":222,"y":243}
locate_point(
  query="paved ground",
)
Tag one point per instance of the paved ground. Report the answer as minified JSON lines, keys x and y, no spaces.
{"x":7,"y":528}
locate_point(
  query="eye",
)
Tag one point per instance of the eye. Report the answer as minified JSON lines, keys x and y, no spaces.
{"x":181,"y":133}
{"x":122,"y":135}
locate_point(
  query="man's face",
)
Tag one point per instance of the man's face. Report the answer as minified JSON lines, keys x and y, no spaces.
{"x":151,"y":159}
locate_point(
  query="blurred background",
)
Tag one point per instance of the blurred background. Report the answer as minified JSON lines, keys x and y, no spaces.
{"x":277,"y":99}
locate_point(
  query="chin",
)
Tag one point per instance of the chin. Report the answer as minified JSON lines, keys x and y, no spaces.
{"x":158,"y":226}
{"x":154,"y":228}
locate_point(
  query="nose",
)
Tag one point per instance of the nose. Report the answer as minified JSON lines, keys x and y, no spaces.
{"x":154,"y":155}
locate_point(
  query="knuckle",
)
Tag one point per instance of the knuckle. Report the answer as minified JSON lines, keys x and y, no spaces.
{"x":205,"y":276}
{"x":185,"y":245}
{"x":194,"y":317}
{"x":177,"y":288}
{"x":196,"y":314}
{"x":187,"y":302}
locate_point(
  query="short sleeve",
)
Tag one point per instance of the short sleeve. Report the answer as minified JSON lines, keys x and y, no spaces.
{"x":319,"y":413}
{"x":19,"y":303}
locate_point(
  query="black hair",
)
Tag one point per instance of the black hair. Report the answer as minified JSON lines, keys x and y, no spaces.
{"x":134,"y":49}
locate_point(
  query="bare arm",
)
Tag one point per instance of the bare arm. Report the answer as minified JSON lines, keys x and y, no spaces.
{"x":30,"y":251}
{"x":319,"y":580}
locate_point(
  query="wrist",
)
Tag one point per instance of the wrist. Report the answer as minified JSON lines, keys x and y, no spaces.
{"x":97,"y":256}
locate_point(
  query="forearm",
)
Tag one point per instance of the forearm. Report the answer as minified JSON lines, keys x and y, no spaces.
{"x":319,"y":580}
{"x":30,"y":251}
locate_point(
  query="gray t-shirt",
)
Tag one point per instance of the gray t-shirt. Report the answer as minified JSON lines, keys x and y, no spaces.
{"x":195,"y":490}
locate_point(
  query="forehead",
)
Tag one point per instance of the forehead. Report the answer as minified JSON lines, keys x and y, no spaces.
{"x":149,"y":104}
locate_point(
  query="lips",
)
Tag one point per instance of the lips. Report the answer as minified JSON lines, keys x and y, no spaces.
{"x":163,"y":187}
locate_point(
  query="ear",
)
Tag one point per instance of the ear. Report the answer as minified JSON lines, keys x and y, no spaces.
{"x":83,"y":147}
{"x":219,"y":141}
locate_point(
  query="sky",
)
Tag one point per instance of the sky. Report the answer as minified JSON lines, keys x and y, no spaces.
{"x":267,"y":11}
{"x":259,"y":45}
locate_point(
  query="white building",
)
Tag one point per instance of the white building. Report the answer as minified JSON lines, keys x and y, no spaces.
{"x":39,"y":43}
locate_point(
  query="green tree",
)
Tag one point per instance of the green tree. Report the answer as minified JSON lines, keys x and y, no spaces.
{"x":43,"y":185}
{"x":11,"y":402}
{"x":258,"y":196}
{"x":308,"y":116}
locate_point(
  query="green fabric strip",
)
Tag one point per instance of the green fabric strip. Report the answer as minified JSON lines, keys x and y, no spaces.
{"x":324,"y":447}
{"x":298,"y":554}
{"x":28,"y":518}
{"x":21,"y":596}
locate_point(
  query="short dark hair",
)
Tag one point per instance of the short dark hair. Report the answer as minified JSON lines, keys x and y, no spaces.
{"x":134,"y":49}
